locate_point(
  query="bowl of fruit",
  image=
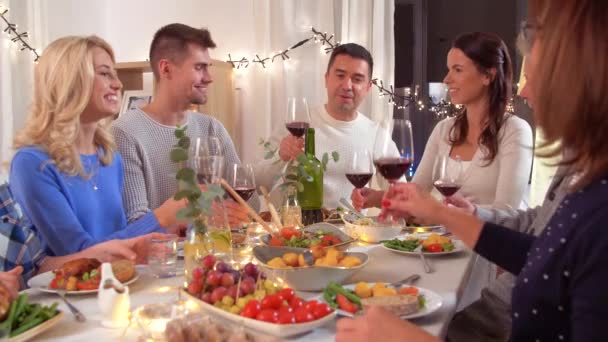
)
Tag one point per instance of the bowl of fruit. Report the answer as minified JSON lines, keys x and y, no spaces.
{"x":247,"y":298}
{"x":369,"y":229}
{"x":321,"y":234}
{"x":309,"y":270}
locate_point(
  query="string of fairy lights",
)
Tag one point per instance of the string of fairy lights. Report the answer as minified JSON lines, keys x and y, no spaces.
{"x":18,"y":38}
{"x":328,"y":43}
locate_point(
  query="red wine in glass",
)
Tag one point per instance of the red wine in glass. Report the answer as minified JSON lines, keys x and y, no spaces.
{"x":447,"y":189}
{"x":359,"y":180}
{"x":245,"y":193}
{"x":393,"y":168}
{"x":297,"y":128}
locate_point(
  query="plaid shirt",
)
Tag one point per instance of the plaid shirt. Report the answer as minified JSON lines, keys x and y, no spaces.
{"x":19,"y":244}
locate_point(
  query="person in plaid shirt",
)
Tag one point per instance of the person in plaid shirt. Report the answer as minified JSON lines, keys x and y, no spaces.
{"x":22,"y":255}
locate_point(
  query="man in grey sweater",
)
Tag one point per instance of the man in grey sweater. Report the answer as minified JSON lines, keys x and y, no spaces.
{"x":179,"y":57}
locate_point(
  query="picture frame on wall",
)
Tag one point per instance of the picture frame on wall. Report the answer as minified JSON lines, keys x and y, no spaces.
{"x":132,"y":99}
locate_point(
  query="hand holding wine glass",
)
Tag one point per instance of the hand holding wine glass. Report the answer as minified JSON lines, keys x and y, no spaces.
{"x":447,"y":175}
{"x":393,"y":154}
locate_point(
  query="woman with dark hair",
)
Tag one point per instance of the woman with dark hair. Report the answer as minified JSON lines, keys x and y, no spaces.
{"x":560,"y":291}
{"x":494,"y":147}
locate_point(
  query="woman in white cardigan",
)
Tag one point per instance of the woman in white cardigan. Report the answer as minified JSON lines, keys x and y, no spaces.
{"x":495,"y":147}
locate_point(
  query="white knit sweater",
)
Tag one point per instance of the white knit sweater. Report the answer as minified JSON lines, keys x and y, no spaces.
{"x":502,"y":183}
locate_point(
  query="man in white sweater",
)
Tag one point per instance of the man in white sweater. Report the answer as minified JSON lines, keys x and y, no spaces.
{"x":179,"y":56}
{"x":338,"y":125}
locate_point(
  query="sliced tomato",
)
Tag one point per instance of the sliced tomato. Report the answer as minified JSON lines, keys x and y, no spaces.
{"x":346,"y":304}
{"x":275,"y":241}
{"x":90,"y":284}
{"x":410,"y":290}
{"x":289,"y":232}
{"x":56,"y":282}
{"x":331,"y":240}
{"x":434,"y":248}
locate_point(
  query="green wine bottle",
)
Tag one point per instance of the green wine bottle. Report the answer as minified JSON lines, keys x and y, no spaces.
{"x":311,"y":198}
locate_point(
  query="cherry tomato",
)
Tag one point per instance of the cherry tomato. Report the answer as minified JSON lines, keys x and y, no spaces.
{"x":275,"y":241}
{"x":289,"y":232}
{"x":287,"y":294}
{"x":273,"y":301}
{"x":410,"y":290}
{"x":346,"y":304}
{"x":310,"y":305}
{"x":268,"y":315}
{"x":296,"y":302}
{"x":302,"y":315}
{"x":251,"y":309}
{"x":434,"y":248}
{"x":286,"y":317}
{"x":90,"y":284}
{"x":321,"y":310}
{"x":331,"y":240}
{"x":285,"y":308}
{"x":55,"y":282}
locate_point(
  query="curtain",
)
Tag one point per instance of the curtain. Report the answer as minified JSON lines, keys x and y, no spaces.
{"x":262,"y":93}
{"x":16,"y":71}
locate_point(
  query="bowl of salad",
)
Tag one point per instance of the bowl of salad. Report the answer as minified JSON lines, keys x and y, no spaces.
{"x":369,"y":229}
{"x":322,"y":234}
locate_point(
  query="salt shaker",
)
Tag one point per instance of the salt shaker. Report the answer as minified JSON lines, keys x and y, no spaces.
{"x":113,"y":299}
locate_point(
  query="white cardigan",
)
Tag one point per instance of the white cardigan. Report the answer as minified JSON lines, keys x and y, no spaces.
{"x":500,"y":184}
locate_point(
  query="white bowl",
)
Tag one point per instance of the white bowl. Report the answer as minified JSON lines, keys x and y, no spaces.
{"x":308,"y":278}
{"x":371,"y":234}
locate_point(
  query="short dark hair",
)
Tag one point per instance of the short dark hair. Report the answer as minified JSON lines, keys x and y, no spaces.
{"x":171,"y":42}
{"x":355,"y":51}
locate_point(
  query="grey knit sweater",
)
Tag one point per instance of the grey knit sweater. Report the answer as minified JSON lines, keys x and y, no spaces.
{"x":145,"y":146}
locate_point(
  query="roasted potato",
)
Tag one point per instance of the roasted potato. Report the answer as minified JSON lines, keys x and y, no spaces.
{"x":350,"y":261}
{"x":277,"y":262}
{"x":291,"y":259}
{"x":363,"y":290}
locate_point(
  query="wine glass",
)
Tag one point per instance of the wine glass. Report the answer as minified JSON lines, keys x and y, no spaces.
{"x":447,"y":175}
{"x":298,"y":116}
{"x":242,"y":180}
{"x":394,"y":153}
{"x":207,"y":156}
{"x":360,"y":168}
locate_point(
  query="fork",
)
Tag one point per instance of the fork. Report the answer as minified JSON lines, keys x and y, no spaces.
{"x":425,"y":263}
{"x":77,"y":314}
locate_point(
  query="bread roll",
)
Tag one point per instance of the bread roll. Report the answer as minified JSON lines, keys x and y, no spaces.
{"x":124,"y":270}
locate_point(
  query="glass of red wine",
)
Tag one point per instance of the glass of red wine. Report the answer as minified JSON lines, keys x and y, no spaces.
{"x":360,"y":168}
{"x":447,"y":175}
{"x":298,"y":116}
{"x":394,"y":153}
{"x":242,"y":180}
{"x":207,"y":157}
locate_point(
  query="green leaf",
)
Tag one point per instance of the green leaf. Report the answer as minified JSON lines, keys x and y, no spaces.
{"x":325,"y":159}
{"x":180,"y":132}
{"x":300,"y":186}
{"x":291,"y":177}
{"x":183,"y":214}
{"x":185,"y":174}
{"x":336,"y":156}
{"x":184,"y":142}
{"x":180,"y":195}
{"x":302,"y":158}
{"x":269,"y":155}
{"x":178,"y":155}
{"x":304,"y":174}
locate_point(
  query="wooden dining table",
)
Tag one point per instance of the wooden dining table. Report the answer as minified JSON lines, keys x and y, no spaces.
{"x":450,"y":275}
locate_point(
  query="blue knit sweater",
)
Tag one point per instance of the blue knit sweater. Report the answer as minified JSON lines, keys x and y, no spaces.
{"x":71,"y":213}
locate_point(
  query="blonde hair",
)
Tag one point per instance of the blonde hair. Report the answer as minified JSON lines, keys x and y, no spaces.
{"x":63,"y":85}
{"x":570,"y":83}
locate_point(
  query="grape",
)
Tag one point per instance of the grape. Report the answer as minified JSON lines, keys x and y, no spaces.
{"x":241,"y":302}
{"x":251,"y":270}
{"x":232,"y":290}
{"x":206,"y":297}
{"x":218,"y":294}
{"x":214,"y":278}
{"x":227,"y":279}
{"x":208,"y":261}
{"x":198,"y":273}
{"x":247,"y":287}
{"x":236,"y":274}
{"x":248,"y":278}
{"x":223,"y":267}
{"x":227,"y":300}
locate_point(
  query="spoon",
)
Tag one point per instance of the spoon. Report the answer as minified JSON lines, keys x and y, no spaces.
{"x":350,"y":208}
{"x":405,"y":281}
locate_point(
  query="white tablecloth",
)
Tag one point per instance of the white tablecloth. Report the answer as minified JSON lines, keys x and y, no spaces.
{"x":448,"y":280}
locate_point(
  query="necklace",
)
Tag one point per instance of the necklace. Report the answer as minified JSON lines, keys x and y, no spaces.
{"x":93,"y":173}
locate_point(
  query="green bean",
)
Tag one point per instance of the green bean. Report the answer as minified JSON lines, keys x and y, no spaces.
{"x":330,"y":297}
{"x":348,"y":294}
{"x":25,"y":327}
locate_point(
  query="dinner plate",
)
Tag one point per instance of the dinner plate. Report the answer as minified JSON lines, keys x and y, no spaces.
{"x":37,"y":330}
{"x":433,"y":301}
{"x":279,"y":330}
{"x":42,"y":281}
{"x":458,"y":247}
